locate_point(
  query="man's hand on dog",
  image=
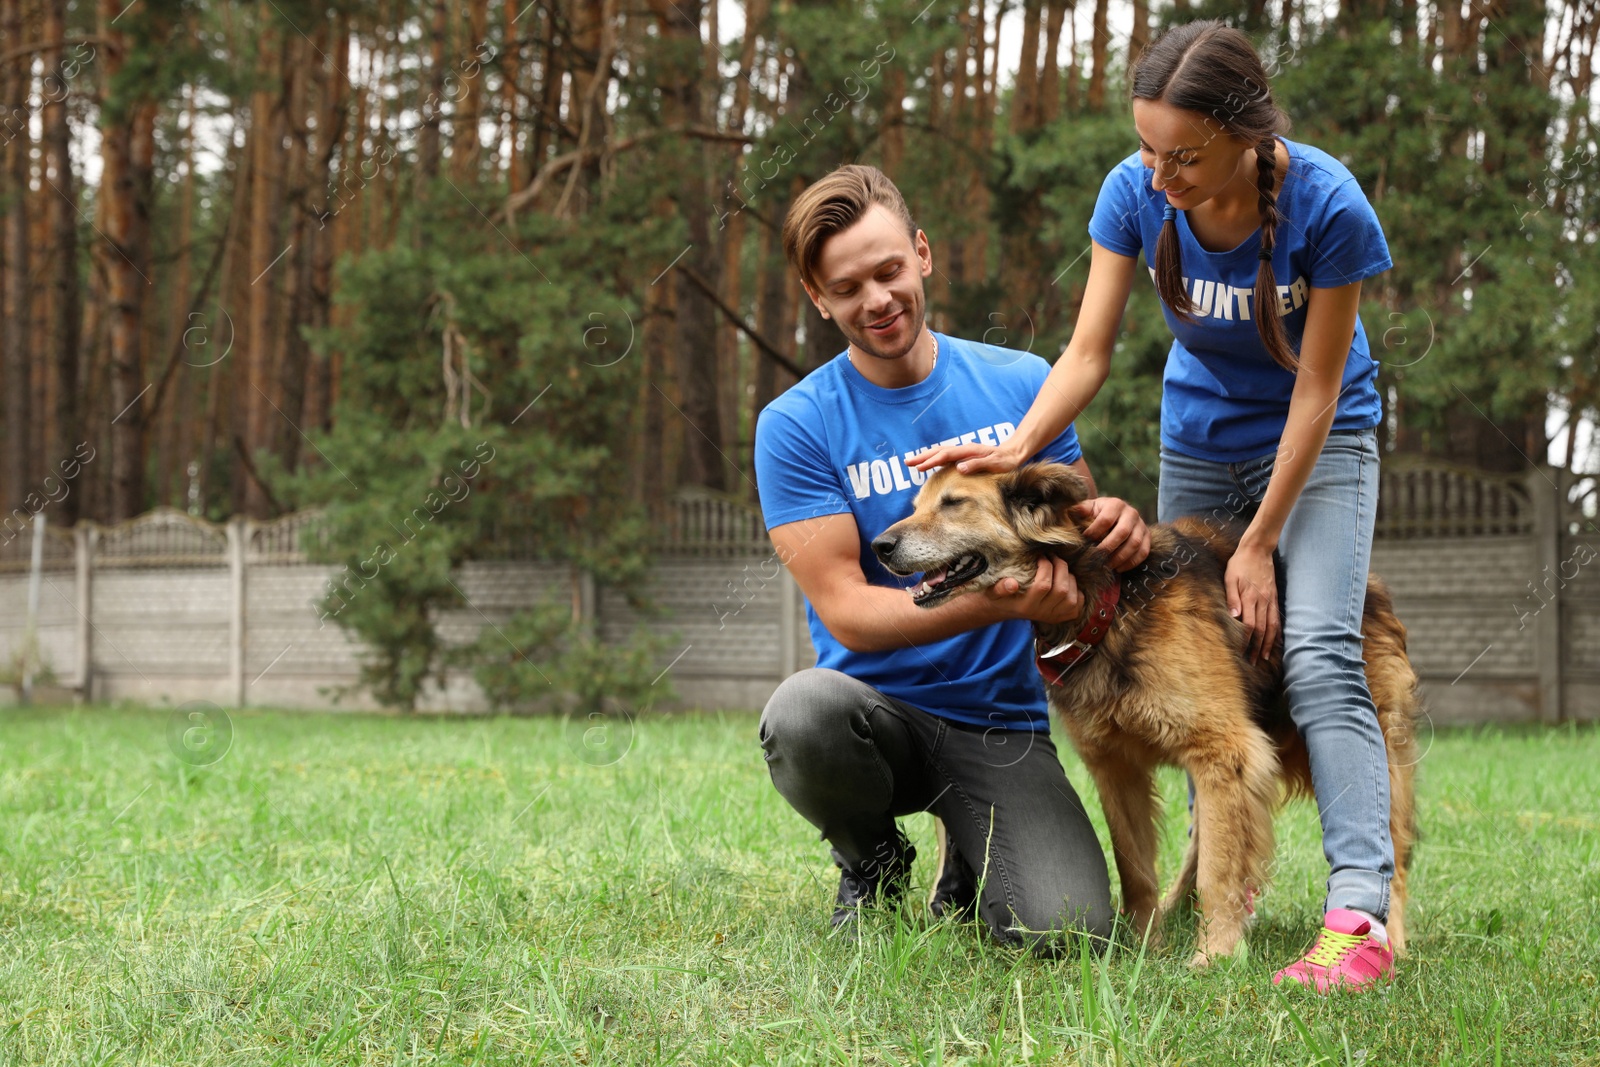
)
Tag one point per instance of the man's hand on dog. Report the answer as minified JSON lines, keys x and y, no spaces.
{"x":1052,"y":597}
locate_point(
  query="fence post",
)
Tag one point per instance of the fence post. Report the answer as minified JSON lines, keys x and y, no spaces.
{"x":788,"y":625}
{"x":84,"y":537}
{"x":1547,"y":636}
{"x":238,"y":536}
{"x":587,"y":602}
{"x":30,"y":636}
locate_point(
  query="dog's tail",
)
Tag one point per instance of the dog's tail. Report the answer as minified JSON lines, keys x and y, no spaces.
{"x":1395,"y":692}
{"x":1390,"y":677}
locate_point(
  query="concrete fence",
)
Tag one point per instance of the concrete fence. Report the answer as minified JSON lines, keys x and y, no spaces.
{"x":1496,"y":578}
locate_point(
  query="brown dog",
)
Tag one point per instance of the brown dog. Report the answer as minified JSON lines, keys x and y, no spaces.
{"x":1168,"y":683}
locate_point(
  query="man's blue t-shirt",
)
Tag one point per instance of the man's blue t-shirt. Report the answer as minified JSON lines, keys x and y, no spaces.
{"x":1223,"y":398}
{"x":837,"y":444}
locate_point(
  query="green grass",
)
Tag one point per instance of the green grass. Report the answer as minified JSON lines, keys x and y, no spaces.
{"x":349,"y":889}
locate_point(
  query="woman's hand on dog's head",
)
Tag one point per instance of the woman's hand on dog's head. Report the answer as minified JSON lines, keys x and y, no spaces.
{"x":1116,"y":526}
{"x":1052,"y":597}
{"x":969,"y":459}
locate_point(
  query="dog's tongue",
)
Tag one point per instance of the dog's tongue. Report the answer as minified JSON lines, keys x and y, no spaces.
{"x":935,"y":577}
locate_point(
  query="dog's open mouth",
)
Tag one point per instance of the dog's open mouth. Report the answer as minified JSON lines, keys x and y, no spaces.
{"x":947,"y":579}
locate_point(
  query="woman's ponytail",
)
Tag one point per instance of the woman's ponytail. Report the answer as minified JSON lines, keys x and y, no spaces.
{"x":1269,"y":325}
{"x":1169,"y":268}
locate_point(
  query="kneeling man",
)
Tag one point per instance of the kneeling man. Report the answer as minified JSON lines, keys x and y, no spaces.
{"x":912,"y":709}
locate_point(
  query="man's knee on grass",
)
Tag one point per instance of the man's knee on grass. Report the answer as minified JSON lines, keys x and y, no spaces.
{"x":1071,"y":933}
{"x":805,"y":714}
{"x":1050,"y":926}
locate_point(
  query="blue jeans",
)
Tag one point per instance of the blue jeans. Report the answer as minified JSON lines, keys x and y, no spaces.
{"x":1326,"y":546}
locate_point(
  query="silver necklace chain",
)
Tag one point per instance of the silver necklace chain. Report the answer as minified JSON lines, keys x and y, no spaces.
{"x":931,"y":336}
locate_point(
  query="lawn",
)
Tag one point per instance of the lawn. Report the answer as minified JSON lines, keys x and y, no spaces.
{"x":353,"y":889}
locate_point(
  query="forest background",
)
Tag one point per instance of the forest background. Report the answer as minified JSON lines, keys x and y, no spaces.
{"x":263,"y":256}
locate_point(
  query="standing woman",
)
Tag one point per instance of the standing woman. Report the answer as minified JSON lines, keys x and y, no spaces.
{"x":1258,"y":246}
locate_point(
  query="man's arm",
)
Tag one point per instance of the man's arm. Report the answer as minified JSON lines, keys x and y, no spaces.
{"x":824,"y":555}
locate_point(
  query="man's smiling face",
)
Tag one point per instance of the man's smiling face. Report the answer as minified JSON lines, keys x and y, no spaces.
{"x":871,"y":284}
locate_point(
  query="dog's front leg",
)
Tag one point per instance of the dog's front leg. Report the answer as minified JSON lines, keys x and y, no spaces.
{"x":1182,"y":887}
{"x":1127,"y":795}
{"x":1235,"y":785}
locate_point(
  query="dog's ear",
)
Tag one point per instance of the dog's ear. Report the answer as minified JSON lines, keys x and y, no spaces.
{"x":1039,"y":497}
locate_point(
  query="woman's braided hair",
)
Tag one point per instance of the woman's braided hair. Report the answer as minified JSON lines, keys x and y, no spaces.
{"x":1213,"y":69}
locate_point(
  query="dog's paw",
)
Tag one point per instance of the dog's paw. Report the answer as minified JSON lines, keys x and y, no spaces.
{"x":1199,"y":961}
{"x":1144,"y":928}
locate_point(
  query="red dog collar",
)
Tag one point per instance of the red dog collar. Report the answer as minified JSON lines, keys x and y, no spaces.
{"x":1055,"y":663}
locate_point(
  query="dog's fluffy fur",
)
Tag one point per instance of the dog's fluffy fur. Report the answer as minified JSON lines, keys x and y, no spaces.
{"x":1169,"y":684}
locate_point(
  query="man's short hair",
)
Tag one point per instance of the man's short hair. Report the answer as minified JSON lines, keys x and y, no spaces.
{"x":835,"y":203}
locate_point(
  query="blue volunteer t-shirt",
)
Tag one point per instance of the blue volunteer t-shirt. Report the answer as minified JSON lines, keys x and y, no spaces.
{"x":1223,"y":397}
{"x":836,"y":444}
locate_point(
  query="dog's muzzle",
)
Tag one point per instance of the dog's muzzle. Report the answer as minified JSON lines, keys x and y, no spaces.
{"x":937,"y":581}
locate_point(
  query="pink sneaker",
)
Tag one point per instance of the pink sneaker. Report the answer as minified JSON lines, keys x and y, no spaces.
{"x":1343,"y":956}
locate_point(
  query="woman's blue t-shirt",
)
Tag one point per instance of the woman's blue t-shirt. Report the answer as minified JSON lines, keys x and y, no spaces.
{"x":1223,"y":397}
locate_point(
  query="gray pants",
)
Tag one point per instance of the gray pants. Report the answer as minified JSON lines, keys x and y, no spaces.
{"x":850,"y":760}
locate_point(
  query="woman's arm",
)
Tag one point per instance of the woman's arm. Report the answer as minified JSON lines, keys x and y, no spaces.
{"x":1072,"y":382}
{"x":1324,"y":351}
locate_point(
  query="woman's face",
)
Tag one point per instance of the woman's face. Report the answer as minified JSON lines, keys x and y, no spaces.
{"x":1193,"y":156}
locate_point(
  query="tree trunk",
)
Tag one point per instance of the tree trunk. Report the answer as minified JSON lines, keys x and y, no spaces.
{"x":17,"y":470}
{"x":325,"y":239}
{"x":467,"y":146}
{"x":980,"y":68}
{"x":92,"y":369}
{"x":1073,"y":77}
{"x":893,"y":121}
{"x":1097,"y":49}
{"x":963,"y":64}
{"x":731,"y":234}
{"x":1050,"y":76}
{"x":61,"y":214}
{"x":222,"y":375}
{"x":657,"y":333}
{"x":975,"y":250}
{"x":1139,"y":35}
{"x":1580,"y":83}
{"x":546,"y":140}
{"x":42,"y":398}
{"x":128,"y":153}
{"x":374,"y":195}
{"x":1451,"y":28}
{"x":433,"y":98}
{"x":170,"y":456}
{"x":778,"y":304}
{"x":511,"y":68}
{"x":696,"y":342}
{"x":254,"y":392}
{"x":592,"y":35}
{"x":680,"y":81}
{"x":290,"y":358}
{"x":1025,"y":102}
